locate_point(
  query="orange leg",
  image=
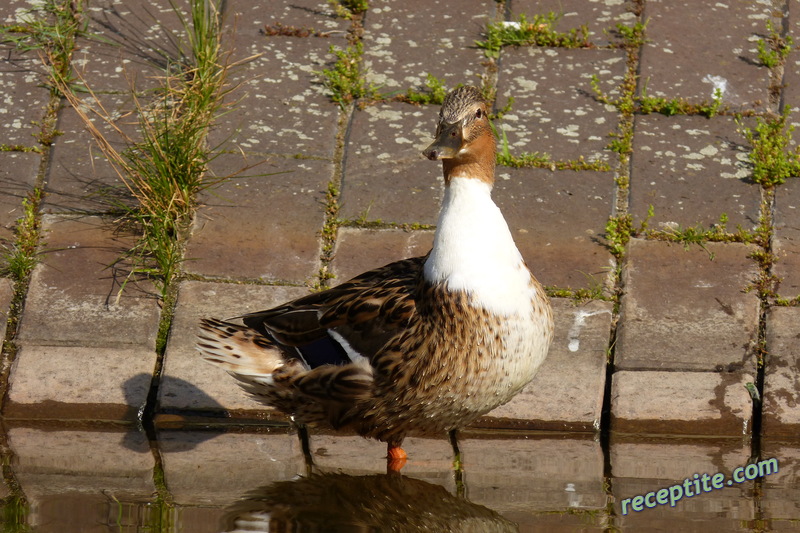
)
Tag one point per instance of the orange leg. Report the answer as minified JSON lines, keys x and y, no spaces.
{"x":396,"y":458}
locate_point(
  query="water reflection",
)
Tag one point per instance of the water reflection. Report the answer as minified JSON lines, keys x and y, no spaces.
{"x":341,"y":502}
{"x":63,"y":478}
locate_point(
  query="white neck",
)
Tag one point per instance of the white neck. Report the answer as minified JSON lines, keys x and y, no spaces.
{"x":473,"y":251}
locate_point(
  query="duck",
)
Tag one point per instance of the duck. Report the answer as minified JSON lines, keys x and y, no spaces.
{"x":421,"y":346}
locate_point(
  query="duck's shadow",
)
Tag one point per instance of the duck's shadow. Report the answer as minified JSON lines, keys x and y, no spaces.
{"x":139,"y":386}
{"x":341,"y":502}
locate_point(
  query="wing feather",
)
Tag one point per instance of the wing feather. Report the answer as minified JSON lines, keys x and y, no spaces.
{"x":364,"y":313}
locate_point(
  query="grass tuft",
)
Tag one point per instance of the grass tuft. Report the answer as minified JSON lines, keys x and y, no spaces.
{"x":19,"y":258}
{"x":167,"y":168}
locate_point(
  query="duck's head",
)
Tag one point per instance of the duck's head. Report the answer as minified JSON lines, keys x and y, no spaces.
{"x":464,"y":140}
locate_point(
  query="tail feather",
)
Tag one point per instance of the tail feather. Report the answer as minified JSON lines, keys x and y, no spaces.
{"x":238,"y":349}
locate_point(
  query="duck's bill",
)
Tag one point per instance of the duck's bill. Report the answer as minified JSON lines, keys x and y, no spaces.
{"x":447,"y":143}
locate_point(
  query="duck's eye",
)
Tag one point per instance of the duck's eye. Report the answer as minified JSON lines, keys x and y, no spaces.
{"x":479,"y":113}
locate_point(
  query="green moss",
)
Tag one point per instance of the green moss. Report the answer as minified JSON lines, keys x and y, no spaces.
{"x":281,"y":30}
{"x":581,"y":295}
{"x":20,"y":148}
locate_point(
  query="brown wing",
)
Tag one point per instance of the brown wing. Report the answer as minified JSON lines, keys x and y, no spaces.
{"x":365,"y":312}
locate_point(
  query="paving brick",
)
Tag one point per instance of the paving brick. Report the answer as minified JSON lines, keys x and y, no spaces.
{"x":552,"y":402}
{"x":79,"y":382}
{"x":534,"y":474}
{"x":129,"y":45}
{"x":555,"y":113}
{"x":188,"y":383}
{"x":790,"y":94}
{"x":278,"y":103}
{"x":287,"y":114}
{"x":204,"y":467}
{"x":654,"y":459}
{"x":786,"y":241}
{"x":14,"y":11}
{"x":360,"y":250}
{"x":303,"y":14}
{"x":24,"y":103}
{"x":558,"y":222}
{"x":263,"y":224}
{"x":600,"y":16}
{"x":781,"y":489}
{"x":74,"y":297}
{"x":6,"y":294}
{"x":681,"y":403}
{"x":692,"y":170}
{"x":683,"y":311}
{"x":385,"y":175}
{"x":781,"y":408}
{"x":79,"y":177}
{"x":92,"y":345}
{"x":18,"y":173}
{"x":78,"y":512}
{"x":120,"y":464}
{"x":642,"y":465}
{"x":721,"y":53}
{"x":399,"y":51}
{"x":202,"y":519}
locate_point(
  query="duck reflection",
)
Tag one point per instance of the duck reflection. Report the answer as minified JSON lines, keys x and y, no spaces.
{"x":340,"y":502}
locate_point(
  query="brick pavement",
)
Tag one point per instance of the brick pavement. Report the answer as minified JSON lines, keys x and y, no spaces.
{"x":665,"y":344}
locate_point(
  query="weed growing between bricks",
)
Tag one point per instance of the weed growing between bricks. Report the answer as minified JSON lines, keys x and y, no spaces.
{"x":166,"y":170}
{"x":347,"y":83}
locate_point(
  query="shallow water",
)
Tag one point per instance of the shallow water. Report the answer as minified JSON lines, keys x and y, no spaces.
{"x":107,"y":478}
